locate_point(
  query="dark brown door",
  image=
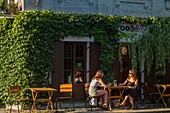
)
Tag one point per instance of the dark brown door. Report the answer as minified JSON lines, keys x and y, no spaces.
{"x":74,"y":60}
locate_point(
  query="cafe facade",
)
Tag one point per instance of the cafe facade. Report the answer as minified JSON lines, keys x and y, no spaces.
{"x":73,"y":54}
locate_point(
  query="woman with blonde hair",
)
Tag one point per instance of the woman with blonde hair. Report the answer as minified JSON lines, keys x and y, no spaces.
{"x":131,"y":92}
{"x":97,"y":81}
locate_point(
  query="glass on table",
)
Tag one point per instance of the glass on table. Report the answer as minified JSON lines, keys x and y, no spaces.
{"x":115,"y":82}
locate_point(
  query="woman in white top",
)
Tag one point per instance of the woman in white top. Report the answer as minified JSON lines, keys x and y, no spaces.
{"x":97,"y":81}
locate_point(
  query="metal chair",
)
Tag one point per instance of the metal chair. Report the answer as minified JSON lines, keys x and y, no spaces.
{"x":15,"y":90}
{"x":79,"y":93}
{"x":149,"y":96}
{"x":90,"y":97}
{"x":95,"y":97}
{"x":65,"y":94}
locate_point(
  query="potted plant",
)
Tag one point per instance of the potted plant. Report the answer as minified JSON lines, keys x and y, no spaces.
{"x":12,"y":8}
{"x":2,"y":5}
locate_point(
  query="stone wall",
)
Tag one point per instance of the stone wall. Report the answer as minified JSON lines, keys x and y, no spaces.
{"x":138,"y":8}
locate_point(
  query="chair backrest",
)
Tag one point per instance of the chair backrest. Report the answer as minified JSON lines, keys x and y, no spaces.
{"x":79,"y":93}
{"x":87,"y":85}
{"x":145,"y":88}
{"x":65,"y":90}
{"x":14,"y":89}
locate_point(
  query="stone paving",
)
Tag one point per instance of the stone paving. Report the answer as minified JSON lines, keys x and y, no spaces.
{"x":80,"y":109}
{"x":96,"y":110}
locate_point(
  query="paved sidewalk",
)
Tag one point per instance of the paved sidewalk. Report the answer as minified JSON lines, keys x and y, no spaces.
{"x":96,"y":110}
{"x":80,"y":109}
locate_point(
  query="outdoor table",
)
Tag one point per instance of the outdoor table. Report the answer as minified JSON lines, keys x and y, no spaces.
{"x":119,"y":96}
{"x":162,"y":91}
{"x":36,"y":91}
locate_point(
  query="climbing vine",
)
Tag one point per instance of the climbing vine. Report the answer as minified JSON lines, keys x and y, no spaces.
{"x":27,"y":44}
{"x":153,"y":45}
{"x":1,"y":3}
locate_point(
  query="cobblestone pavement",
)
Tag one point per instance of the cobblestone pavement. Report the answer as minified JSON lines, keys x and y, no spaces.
{"x":96,"y":110}
{"x":79,"y":108}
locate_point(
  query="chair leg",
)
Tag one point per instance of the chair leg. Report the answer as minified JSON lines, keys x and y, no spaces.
{"x":90,"y":104}
{"x":73,"y":105}
{"x":85,"y":104}
{"x":30,"y":105}
{"x":56,"y":105}
{"x":91,"y":107}
{"x":18,"y":107}
{"x":10,"y":108}
{"x":70,"y":105}
{"x":60,"y":104}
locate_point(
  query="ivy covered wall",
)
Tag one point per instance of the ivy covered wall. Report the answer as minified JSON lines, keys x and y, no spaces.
{"x":27,"y":44}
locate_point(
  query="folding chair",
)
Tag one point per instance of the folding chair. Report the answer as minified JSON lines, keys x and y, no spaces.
{"x":15,"y":90}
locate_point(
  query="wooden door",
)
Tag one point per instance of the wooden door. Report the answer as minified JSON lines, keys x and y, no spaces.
{"x":74,"y":60}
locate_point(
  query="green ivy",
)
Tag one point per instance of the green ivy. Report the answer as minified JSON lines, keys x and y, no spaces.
{"x":1,"y":3}
{"x":27,"y":44}
{"x":153,"y":45}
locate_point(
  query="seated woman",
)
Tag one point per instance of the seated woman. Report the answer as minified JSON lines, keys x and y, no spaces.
{"x":78,"y":77}
{"x":93,"y":91}
{"x":131,"y":92}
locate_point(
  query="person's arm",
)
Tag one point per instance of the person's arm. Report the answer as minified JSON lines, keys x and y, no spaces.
{"x":136,"y":83}
{"x":102,"y":83}
{"x":81,"y":80}
{"x":124,"y":82}
{"x":75,"y":80}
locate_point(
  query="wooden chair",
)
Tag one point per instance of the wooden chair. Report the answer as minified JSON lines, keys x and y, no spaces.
{"x":65,"y":94}
{"x":149,"y":96}
{"x":14,"y":92}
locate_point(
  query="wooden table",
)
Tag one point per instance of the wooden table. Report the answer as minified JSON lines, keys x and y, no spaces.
{"x":162,"y":91}
{"x":36,"y":91}
{"x":120,"y":92}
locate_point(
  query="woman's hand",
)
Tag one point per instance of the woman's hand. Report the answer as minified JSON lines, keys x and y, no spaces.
{"x":109,"y":84}
{"x":130,"y":87}
{"x":102,"y":83}
{"x":122,"y":84}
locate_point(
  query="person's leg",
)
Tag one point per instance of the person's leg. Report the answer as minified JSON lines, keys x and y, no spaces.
{"x":101,"y":101}
{"x":124,"y":101}
{"x":105,"y":93}
{"x":131,"y":101}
